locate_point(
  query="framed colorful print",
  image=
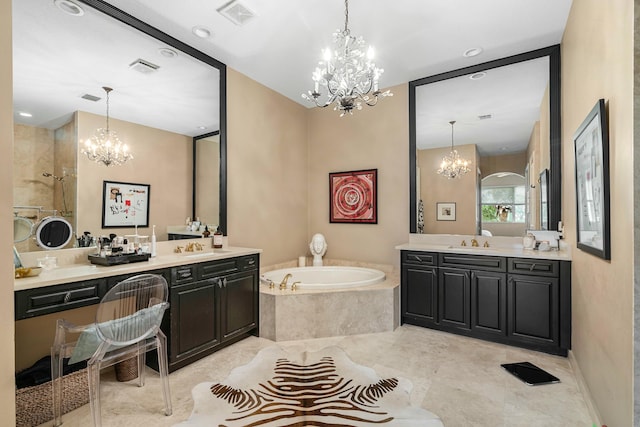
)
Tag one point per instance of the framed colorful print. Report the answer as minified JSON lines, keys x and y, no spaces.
{"x":125,"y":205}
{"x":354,"y":196}
{"x":592,"y":183}
{"x":445,"y":211}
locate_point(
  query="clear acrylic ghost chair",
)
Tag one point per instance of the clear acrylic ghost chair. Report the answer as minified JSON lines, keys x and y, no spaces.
{"x":127,"y":325}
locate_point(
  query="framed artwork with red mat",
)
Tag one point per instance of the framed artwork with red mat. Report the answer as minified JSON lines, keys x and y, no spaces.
{"x":354,"y":197}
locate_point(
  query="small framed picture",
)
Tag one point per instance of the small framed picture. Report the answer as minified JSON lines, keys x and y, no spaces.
{"x":445,"y":211}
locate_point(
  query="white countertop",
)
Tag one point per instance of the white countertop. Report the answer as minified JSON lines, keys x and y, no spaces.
{"x":79,"y":271}
{"x":498,"y":246}
{"x":506,"y":252}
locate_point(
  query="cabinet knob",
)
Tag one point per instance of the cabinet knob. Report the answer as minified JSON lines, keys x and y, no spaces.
{"x":532,"y":266}
{"x":67,"y":297}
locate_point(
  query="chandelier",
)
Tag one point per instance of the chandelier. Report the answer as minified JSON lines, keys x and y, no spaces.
{"x":347,"y":72}
{"x":453,"y":166}
{"x":104,"y":146}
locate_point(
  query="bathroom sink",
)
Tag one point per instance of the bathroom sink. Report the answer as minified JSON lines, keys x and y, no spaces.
{"x":204,"y":254}
{"x":481,"y":249}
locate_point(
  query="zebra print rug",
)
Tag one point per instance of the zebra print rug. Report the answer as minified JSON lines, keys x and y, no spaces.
{"x":322,"y":389}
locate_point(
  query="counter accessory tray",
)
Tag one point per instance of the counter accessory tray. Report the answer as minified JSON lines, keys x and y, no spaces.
{"x":118,"y":259}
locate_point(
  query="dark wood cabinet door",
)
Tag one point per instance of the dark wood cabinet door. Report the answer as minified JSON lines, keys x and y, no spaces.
{"x":454,"y":298}
{"x":239,"y":303}
{"x":419,"y":295}
{"x":489,"y":303}
{"x":194,"y":318}
{"x":533,"y":309}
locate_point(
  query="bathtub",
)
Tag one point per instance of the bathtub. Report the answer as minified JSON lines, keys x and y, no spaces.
{"x":326,"y":278}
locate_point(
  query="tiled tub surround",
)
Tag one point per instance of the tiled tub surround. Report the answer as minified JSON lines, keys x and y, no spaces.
{"x":303,"y":314}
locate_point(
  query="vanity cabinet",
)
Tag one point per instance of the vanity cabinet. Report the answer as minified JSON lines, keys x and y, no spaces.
{"x":419,"y":299}
{"x":517,"y":301}
{"x":212,"y":304}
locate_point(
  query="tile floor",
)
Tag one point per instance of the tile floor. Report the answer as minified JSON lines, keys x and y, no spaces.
{"x":457,"y":378}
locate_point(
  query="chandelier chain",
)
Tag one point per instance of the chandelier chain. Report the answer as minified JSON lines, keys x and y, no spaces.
{"x":346,"y":16}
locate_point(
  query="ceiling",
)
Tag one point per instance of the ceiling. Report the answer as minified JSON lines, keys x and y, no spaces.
{"x":281,"y":46}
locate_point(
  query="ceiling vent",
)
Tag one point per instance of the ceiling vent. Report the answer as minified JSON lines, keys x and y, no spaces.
{"x":485,"y":116}
{"x":89,"y":97}
{"x":236,"y":12}
{"x":144,"y":67}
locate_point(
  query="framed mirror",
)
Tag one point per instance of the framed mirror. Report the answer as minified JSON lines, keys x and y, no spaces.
{"x":165,"y":93}
{"x":507,"y":123}
{"x":209,"y":180}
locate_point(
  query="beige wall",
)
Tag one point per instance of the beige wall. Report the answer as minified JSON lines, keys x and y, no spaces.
{"x":161,"y":159}
{"x":208,"y":181}
{"x":461,"y":191}
{"x":373,"y":138}
{"x":597,"y":55}
{"x":506,"y":163}
{"x":7,"y":371}
{"x":267,"y":170}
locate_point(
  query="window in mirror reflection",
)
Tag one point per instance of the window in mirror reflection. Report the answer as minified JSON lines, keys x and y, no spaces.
{"x":503,"y":204}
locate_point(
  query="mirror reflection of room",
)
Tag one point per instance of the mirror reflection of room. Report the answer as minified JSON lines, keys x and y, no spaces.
{"x":502,"y":128}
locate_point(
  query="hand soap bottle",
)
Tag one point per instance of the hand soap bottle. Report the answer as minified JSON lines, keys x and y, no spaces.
{"x":217,"y":239}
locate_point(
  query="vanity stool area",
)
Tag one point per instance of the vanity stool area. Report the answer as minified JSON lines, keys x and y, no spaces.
{"x":213,"y":297}
{"x":516,"y":297}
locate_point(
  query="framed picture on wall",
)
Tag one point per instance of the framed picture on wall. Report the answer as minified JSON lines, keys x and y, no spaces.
{"x":125,"y":205}
{"x":353,"y":197}
{"x":591,"y":142}
{"x":445,"y":211}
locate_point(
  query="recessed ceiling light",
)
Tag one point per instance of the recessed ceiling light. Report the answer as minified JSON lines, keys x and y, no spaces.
{"x":167,"y":53}
{"x":477,"y":76}
{"x":201,"y":32}
{"x":69,"y":7}
{"x":474,"y":51}
{"x":25,"y":114}
{"x":202,"y":127}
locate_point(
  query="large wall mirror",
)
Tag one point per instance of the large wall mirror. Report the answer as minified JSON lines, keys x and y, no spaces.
{"x":165,"y":94}
{"x":507,"y":124}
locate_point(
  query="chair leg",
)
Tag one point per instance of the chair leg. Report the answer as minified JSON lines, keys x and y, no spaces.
{"x":164,"y":371}
{"x":141,"y":364}
{"x":56,"y":384}
{"x":93,"y":372}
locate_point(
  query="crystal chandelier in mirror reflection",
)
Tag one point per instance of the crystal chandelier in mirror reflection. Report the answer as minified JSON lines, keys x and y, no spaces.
{"x":348,"y":74}
{"x":453,"y":166}
{"x":104,"y":146}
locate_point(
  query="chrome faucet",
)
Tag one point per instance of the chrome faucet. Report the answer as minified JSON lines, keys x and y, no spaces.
{"x":486,"y":244}
{"x":283,"y":284}
{"x":474,"y":243}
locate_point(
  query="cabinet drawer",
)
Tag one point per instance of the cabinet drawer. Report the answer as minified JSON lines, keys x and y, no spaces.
{"x":473,"y":262}
{"x":419,"y":258}
{"x":36,"y":302}
{"x":537,"y":267}
{"x":183,"y":274}
{"x":247,"y":263}
{"x":217,"y":268}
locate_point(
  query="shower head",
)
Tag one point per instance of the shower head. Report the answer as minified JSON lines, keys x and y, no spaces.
{"x":57,"y":178}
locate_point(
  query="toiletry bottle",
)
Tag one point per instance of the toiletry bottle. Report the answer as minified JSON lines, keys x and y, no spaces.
{"x":153,"y":242}
{"x":206,"y":232}
{"x":217,"y":239}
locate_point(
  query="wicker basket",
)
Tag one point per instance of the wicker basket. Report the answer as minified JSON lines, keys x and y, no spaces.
{"x":127,"y":370}
{"x":34,"y":405}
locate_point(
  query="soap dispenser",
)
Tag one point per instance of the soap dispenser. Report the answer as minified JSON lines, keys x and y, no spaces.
{"x":153,"y":242}
{"x":217,"y":239}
